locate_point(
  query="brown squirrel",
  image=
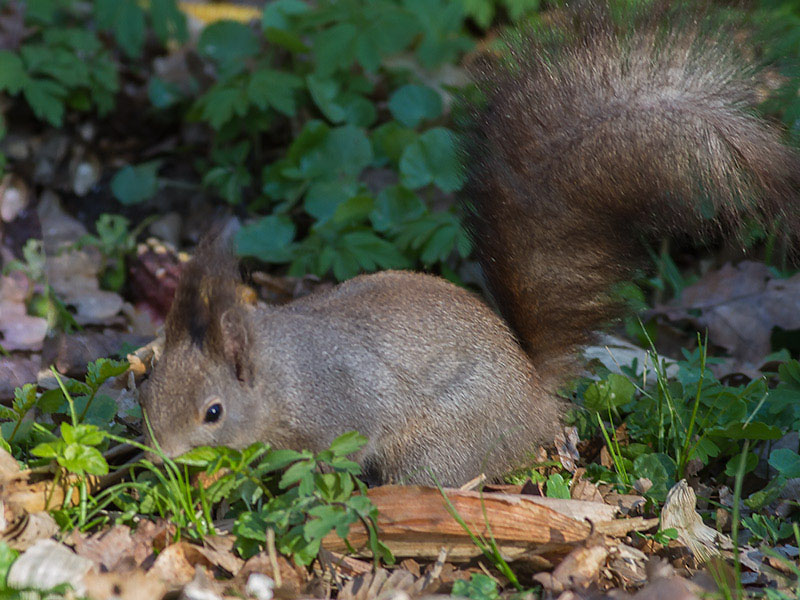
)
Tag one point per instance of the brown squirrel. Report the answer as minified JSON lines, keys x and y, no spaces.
{"x":583,"y":148}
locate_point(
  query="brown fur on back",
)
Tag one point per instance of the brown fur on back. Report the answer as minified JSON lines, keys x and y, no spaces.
{"x":587,"y":145}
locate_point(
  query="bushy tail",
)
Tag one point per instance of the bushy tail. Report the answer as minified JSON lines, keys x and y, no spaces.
{"x":586,"y":146}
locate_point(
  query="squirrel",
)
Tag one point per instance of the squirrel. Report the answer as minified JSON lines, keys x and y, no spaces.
{"x":585,"y":145}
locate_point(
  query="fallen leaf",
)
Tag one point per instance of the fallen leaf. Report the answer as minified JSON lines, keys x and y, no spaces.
{"x":383,"y":583}
{"x":130,"y":585}
{"x":109,"y":549}
{"x":173,"y":567}
{"x":71,"y":352}
{"x":47,"y":564}
{"x":740,"y":305}
{"x":27,"y":529}
{"x":577,"y":571}
{"x":294,"y":579}
{"x":16,"y":371}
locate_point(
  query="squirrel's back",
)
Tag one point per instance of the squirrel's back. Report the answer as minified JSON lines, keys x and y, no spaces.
{"x":597,"y":139}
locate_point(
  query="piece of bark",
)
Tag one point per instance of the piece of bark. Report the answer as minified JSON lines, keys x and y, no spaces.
{"x":415,"y":522}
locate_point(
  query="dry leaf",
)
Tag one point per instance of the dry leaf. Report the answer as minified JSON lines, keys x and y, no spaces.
{"x":173,"y":567}
{"x":16,"y":371}
{"x":578,"y":570}
{"x":109,"y":549}
{"x":131,"y":585}
{"x":294,"y":579}
{"x":24,"y":531}
{"x":383,"y":584}
{"x":70,"y":353}
{"x":47,"y":564}
{"x":740,"y":305}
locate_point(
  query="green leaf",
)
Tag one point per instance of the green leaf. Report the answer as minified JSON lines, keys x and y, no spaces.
{"x":557,"y":487}
{"x":301,"y":472}
{"x":432,"y":158}
{"x":81,"y":459}
{"x":126,"y":19}
{"x":752,"y":431}
{"x":370,"y":250}
{"x":660,"y":469}
{"x":24,"y":398}
{"x":732,"y":466}
{"x":103,"y":369}
{"x":348,"y":443}
{"x":101,"y":412}
{"x":169,"y":22}
{"x":12,"y":72}
{"x":328,"y":518}
{"x":390,"y":139}
{"x":162,"y":94}
{"x":479,"y":587}
{"x":786,"y":462}
{"x":335,"y":48}
{"x":135,"y":184}
{"x":412,"y":104}
{"x":277,"y":14}
{"x":86,"y":435}
{"x":279,"y":459}
{"x":46,"y":99}
{"x":198,"y":457}
{"x":614,"y":391}
{"x":324,"y":92}
{"x":269,"y":239}
{"x":229,"y":44}
{"x":251,"y":525}
{"x":7,"y":558}
{"x":323,"y":199}
{"x":222,"y":103}
{"x":331,"y":154}
{"x":49,"y":449}
{"x":394,"y":206}
{"x":353,"y":211}
{"x":268,"y":87}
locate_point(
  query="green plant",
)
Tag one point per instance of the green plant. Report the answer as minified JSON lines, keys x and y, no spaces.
{"x":311,"y":503}
{"x":662,"y":536}
{"x":24,"y":400}
{"x":44,"y":303}
{"x":770,"y":530}
{"x":479,"y":587}
{"x":671,"y":422}
{"x":115,"y":241}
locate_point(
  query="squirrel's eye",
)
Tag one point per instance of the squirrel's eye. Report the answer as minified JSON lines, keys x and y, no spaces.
{"x":213,"y":413}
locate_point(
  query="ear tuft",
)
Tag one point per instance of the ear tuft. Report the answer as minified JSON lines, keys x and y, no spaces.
{"x":206,"y":290}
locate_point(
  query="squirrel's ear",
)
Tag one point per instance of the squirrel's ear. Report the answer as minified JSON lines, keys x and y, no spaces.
{"x":236,"y":341}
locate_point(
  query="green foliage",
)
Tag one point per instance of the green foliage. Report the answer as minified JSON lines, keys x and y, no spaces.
{"x":557,"y":487}
{"x":770,"y":530}
{"x":299,"y":496}
{"x":135,"y":184}
{"x":7,"y":558}
{"x":313,"y":502}
{"x":334,"y":57}
{"x":479,"y":587}
{"x":691,"y":417}
{"x":115,"y":241}
{"x":81,"y":402}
